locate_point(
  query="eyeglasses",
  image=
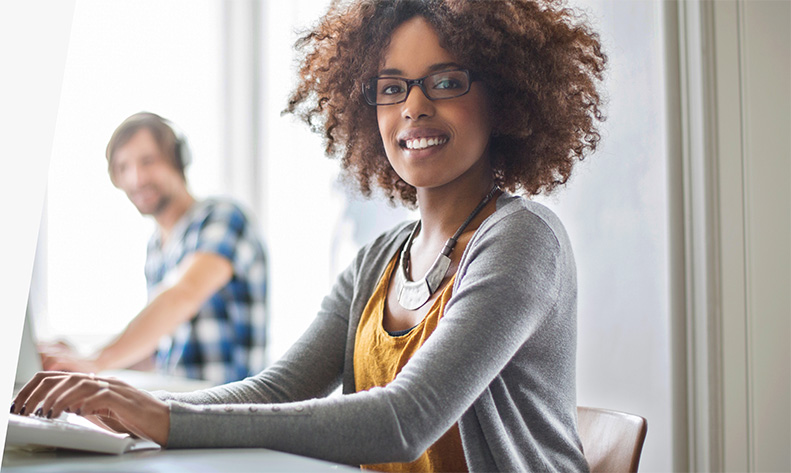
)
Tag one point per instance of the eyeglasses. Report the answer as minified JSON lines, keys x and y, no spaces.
{"x":437,"y":86}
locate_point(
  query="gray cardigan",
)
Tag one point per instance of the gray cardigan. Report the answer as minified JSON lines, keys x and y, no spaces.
{"x":501,"y":363}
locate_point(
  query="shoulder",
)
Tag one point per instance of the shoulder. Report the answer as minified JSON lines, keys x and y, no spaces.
{"x":221,"y":207}
{"x":523,"y":238}
{"x":222,"y":226}
{"x":217,"y":213}
{"x":520,"y":217}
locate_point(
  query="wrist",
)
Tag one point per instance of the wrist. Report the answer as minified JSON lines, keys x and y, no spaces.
{"x":98,"y":362}
{"x":162,"y":423}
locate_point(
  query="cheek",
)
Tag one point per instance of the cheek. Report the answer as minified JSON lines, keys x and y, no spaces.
{"x":381,"y":120}
{"x":477,"y":115}
{"x":476,"y":127}
{"x":386,"y":123}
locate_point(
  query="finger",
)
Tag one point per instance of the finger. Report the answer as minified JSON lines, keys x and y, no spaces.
{"x":29,"y":396}
{"x":71,"y":382}
{"x":50,"y":389}
{"x":73,"y":396}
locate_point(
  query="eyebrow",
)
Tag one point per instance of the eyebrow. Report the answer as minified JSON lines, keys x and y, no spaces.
{"x":434,"y":68}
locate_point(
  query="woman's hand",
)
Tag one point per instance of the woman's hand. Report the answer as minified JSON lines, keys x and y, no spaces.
{"x":117,"y":405}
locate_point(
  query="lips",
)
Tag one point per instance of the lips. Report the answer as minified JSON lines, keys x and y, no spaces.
{"x":144,"y":194}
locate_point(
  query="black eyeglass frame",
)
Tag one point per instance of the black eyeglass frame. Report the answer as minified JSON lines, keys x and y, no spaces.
{"x":366,"y":85}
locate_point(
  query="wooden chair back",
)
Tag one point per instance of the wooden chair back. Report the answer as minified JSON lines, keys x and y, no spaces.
{"x":612,"y":441}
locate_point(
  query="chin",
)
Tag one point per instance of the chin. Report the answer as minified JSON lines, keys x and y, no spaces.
{"x":145,"y":210}
{"x":151,"y":209}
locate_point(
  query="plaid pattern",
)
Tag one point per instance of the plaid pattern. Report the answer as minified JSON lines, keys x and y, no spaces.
{"x":226,"y":340}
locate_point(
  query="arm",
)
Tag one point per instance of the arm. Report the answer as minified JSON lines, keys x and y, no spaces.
{"x":311,"y":368}
{"x":524,"y":270}
{"x":199,"y":276}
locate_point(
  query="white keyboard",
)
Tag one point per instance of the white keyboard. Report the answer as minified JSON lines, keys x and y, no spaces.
{"x":70,"y":432}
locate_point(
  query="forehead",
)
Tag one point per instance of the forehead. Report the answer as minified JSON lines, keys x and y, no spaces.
{"x":142,"y":143}
{"x":414,"y":48}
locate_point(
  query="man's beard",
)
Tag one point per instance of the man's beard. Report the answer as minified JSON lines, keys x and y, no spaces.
{"x":161,"y":204}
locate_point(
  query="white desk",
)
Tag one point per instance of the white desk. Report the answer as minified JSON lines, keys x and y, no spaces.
{"x":166,"y":461}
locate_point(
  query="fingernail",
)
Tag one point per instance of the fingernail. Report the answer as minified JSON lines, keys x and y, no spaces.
{"x":77,"y":411}
{"x":22,"y":411}
{"x":67,"y":410}
{"x":12,"y":408}
{"x":49,"y":414}
{"x":38,"y":412}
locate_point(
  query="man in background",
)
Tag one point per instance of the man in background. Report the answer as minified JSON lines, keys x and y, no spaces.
{"x":205,"y":269}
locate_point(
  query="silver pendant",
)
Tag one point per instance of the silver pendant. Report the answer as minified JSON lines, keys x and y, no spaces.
{"x":413,"y":295}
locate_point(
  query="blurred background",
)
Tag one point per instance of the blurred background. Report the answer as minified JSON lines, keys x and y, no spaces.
{"x":222,"y":71}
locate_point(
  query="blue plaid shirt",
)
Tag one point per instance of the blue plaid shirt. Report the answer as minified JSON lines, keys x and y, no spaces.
{"x":226,"y":340}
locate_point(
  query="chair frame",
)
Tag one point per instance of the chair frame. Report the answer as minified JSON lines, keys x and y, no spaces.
{"x":611,"y":440}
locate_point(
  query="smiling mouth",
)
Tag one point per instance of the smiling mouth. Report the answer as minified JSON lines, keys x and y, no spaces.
{"x":423,"y":143}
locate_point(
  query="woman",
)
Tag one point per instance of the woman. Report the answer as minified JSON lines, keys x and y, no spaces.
{"x":450,"y":106}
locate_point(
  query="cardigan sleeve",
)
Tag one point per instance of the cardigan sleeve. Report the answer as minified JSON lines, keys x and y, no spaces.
{"x":508,"y":284}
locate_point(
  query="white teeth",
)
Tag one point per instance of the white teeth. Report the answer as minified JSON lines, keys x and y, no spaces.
{"x":423,"y":143}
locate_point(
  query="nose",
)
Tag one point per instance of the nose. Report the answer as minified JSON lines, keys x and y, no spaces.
{"x":134,"y":176}
{"x":417,"y":105}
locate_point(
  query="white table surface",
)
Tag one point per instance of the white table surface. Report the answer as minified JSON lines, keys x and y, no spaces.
{"x":165,"y":461}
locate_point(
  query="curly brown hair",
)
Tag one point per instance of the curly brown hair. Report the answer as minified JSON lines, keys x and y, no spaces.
{"x":542,"y":68}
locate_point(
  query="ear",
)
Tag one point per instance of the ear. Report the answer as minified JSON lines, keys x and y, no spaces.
{"x":112,"y":176}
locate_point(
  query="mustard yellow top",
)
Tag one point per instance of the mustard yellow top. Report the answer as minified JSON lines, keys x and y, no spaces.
{"x":379,"y":357}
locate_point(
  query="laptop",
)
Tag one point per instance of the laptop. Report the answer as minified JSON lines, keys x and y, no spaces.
{"x":28,"y":361}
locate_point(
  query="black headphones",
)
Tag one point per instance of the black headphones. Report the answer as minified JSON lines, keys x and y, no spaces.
{"x":183,"y":152}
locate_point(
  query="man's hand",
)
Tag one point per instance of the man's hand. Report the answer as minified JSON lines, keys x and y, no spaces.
{"x":60,"y":356}
{"x":198,"y":277}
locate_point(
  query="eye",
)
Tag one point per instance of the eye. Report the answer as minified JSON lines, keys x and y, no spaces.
{"x":390,"y":87}
{"x":447,"y":83}
{"x":391,"y":90}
